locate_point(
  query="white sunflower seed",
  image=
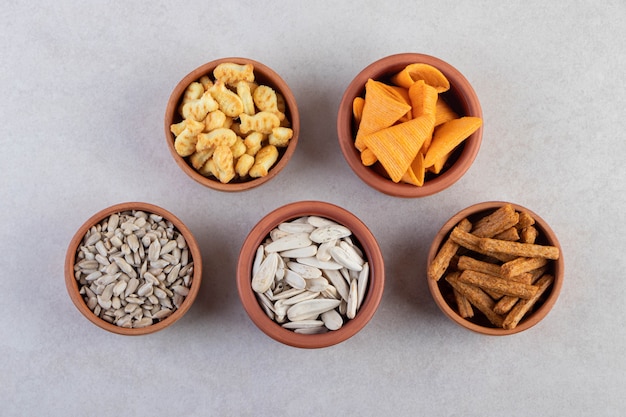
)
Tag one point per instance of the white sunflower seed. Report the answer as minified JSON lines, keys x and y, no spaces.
{"x":332,"y":319}
{"x":294,"y":279}
{"x":264,"y":277}
{"x":352,"y":300}
{"x":306,"y":271}
{"x":341,"y":256}
{"x":327,"y":233}
{"x":309,"y":308}
{"x":288,"y":242}
{"x":303,"y":324}
{"x":307,"y":251}
{"x":313,"y":261}
{"x":362,"y":282}
{"x":316,"y":284}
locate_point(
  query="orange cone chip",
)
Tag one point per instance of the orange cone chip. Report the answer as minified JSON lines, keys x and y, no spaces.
{"x":368,"y":158}
{"x":382,"y":109}
{"x":416,"y":172}
{"x":444,"y":112}
{"x":424,"y":103}
{"x":423,"y":99}
{"x":357,"y":109}
{"x":412,"y":94}
{"x":397,"y":146}
{"x":437,"y":167}
{"x":449,"y":135}
{"x":414,"y":72}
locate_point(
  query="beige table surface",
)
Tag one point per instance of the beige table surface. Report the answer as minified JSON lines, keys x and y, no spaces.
{"x":84,"y":88}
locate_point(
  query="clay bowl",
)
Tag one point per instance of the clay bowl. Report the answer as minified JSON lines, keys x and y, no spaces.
{"x":461,"y":97}
{"x":442,"y":291}
{"x":361,"y":237}
{"x":72,"y":258}
{"x":263,"y":76}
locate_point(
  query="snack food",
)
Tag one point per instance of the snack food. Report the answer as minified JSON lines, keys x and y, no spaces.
{"x":503,"y":279}
{"x":220,"y":113}
{"x":309,"y":275}
{"x":406,"y":126}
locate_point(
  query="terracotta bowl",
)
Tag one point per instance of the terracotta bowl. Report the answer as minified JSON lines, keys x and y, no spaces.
{"x":264,"y":76}
{"x":461,"y":96}
{"x":77,"y":241}
{"x":442,"y":292}
{"x":361,"y":236}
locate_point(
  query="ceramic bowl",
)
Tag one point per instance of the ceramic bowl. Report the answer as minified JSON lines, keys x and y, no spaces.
{"x":361,"y":236}
{"x":263,"y":76}
{"x":461,"y":96}
{"x":72,"y":258}
{"x":442,"y":292}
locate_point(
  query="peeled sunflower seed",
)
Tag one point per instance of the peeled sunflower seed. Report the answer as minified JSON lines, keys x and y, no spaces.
{"x":117,"y":279}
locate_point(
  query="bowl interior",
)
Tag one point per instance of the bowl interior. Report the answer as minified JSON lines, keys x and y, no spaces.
{"x":362,"y":236}
{"x":73,"y":288}
{"x":442,"y":292}
{"x":461,"y":97}
{"x":264,"y":76}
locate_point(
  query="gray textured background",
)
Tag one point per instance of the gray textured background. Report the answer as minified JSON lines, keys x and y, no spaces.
{"x":84,"y":90}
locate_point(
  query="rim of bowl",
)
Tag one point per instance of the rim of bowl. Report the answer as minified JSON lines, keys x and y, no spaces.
{"x":539,"y":313}
{"x":268,"y":77}
{"x":365,"y":239}
{"x":465,"y":97}
{"x":72,"y":285}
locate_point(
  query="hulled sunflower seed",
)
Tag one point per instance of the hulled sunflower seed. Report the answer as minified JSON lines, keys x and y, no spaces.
{"x":133,"y":269}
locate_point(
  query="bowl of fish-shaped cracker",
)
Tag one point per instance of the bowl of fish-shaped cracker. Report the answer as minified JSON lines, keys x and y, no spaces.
{"x":232,"y":124}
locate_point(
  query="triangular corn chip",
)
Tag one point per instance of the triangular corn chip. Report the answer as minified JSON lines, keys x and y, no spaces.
{"x":414,"y":72}
{"x":400,"y":92}
{"x":381,"y":110}
{"x":423,"y":99}
{"x":397,"y":146}
{"x":357,"y":109}
{"x":368,"y":158}
{"x":416,"y":172}
{"x":444,"y":112}
{"x":449,"y":135}
{"x":439,"y":163}
{"x":424,"y":103}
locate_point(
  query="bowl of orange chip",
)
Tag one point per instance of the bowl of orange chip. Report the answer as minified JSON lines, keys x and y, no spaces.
{"x":409,"y":125}
{"x":495,"y":268}
{"x":232,"y":124}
